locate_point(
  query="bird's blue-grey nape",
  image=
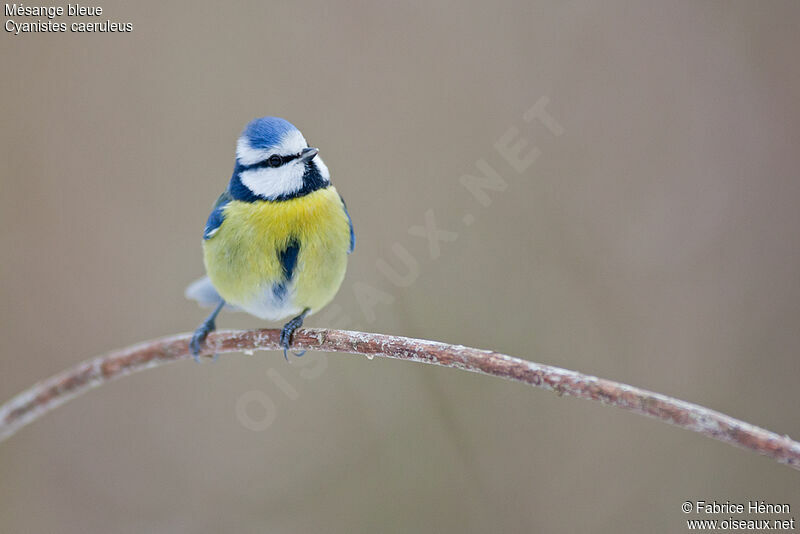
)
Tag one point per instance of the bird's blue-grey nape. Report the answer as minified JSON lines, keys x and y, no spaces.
{"x":267,"y":132}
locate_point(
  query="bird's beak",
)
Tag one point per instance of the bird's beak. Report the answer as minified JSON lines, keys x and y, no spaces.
{"x":307,"y":154}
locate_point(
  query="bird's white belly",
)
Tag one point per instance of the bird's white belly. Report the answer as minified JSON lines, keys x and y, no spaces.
{"x":268,"y":306}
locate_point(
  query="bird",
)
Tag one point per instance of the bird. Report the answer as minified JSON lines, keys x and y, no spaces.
{"x":277,"y":240}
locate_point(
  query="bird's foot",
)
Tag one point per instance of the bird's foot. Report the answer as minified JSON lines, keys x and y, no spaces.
{"x":199,"y":338}
{"x":200,"y":335}
{"x":288,"y":330}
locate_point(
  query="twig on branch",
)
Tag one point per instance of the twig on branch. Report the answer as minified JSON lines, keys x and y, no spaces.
{"x":47,"y":395}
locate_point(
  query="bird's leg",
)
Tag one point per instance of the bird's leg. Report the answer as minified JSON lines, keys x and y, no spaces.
{"x":288,"y":330}
{"x":205,"y":328}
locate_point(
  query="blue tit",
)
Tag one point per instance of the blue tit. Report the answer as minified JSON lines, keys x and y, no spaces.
{"x":277,"y":240}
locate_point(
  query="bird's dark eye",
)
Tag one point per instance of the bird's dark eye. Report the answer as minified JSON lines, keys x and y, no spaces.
{"x":275,"y":161}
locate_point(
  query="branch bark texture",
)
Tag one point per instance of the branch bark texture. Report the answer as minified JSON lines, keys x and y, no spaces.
{"x":47,"y":395}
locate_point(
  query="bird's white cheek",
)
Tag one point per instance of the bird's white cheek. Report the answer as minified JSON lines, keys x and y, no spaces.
{"x":273,"y":182}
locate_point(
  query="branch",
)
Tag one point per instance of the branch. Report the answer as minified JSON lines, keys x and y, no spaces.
{"x":45,"y":396}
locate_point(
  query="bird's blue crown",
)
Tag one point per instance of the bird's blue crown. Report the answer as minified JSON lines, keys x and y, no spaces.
{"x":267,"y":132}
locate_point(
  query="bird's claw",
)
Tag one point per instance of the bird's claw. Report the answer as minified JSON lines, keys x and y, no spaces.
{"x":199,"y":339}
{"x":286,"y":355}
{"x":288,"y":331}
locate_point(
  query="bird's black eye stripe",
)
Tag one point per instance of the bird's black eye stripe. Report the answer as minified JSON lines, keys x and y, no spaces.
{"x":275,"y":160}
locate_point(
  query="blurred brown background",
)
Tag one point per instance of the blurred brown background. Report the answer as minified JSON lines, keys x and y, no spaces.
{"x":655,"y":242}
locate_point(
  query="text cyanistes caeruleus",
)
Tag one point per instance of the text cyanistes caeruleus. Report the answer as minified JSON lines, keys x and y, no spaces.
{"x":277,"y":240}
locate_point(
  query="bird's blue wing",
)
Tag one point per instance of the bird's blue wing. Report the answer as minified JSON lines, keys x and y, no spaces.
{"x":350,"y":221}
{"x":217,"y":215}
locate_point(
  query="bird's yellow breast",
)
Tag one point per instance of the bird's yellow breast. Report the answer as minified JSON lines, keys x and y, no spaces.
{"x":243,"y":257}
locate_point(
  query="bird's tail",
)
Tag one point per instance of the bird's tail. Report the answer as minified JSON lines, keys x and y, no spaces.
{"x":204,"y":292}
